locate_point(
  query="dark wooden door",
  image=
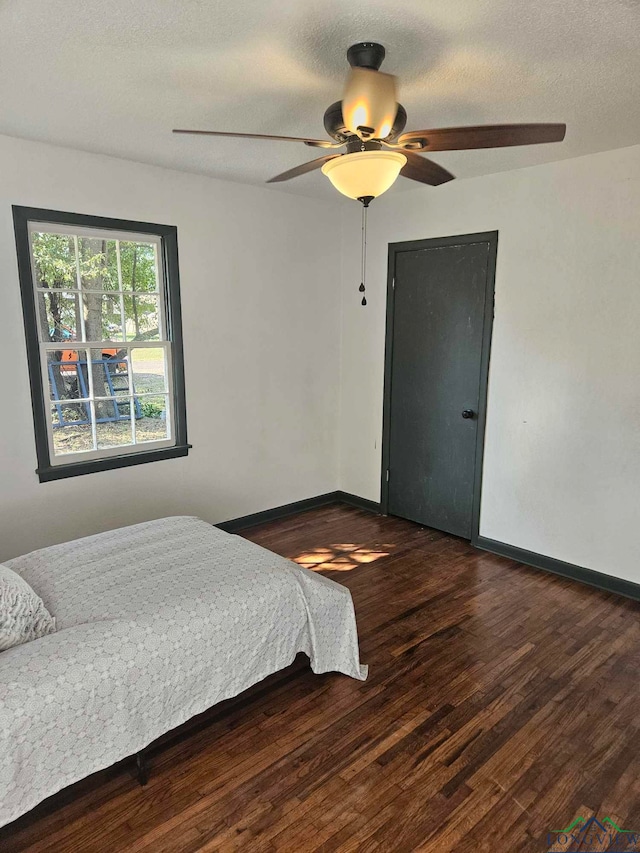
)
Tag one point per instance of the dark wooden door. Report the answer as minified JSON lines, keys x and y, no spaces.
{"x":441,"y":308}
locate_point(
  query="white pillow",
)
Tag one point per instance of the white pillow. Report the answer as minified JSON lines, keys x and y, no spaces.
{"x":23,"y":616}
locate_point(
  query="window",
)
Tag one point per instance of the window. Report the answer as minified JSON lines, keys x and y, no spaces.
{"x":101,"y":308}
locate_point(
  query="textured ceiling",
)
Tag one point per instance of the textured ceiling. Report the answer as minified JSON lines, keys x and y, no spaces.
{"x":115,"y":77}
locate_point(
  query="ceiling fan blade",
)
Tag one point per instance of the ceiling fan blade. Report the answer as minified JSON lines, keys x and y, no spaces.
{"x":302,"y":169}
{"x":314,"y":143}
{"x":426,"y":171}
{"x":484,"y":136}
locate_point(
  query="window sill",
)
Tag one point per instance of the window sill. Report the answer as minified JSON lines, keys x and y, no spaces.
{"x":76,"y":469}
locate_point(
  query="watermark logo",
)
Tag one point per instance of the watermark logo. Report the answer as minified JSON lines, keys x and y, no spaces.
{"x":593,"y":836}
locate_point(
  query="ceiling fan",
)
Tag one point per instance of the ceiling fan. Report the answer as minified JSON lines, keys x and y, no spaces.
{"x":370,"y":123}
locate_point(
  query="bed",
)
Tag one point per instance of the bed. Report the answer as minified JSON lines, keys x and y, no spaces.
{"x":155,"y":623}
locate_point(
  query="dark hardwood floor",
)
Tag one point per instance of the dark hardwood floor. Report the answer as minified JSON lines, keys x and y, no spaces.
{"x":501,"y":703}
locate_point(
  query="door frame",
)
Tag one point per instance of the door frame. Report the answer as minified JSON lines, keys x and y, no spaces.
{"x":490,"y":237}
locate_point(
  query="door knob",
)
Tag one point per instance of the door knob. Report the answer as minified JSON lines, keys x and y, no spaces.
{"x":467,"y":413}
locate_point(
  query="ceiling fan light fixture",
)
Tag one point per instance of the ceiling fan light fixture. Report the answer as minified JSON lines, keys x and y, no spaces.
{"x":370,"y":101}
{"x":364,"y":173}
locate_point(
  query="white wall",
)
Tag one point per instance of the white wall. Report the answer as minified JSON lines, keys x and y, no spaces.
{"x":275,"y":415}
{"x":562,"y":451}
{"x":261,"y":301}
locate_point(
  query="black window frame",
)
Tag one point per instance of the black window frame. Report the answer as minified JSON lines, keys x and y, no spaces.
{"x":168,"y":235}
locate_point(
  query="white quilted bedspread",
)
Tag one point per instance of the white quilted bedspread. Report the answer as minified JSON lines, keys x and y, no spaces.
{"x":156,"y":623}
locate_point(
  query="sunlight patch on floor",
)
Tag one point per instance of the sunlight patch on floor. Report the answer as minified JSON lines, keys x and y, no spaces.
{"x":341,"y":558}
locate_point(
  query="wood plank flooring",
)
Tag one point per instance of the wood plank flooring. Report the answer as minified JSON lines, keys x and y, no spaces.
{"x":502,"y":703}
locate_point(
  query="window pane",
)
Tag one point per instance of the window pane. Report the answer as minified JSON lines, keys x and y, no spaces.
{"x":58,"y":313}
{"x":71,"y":429}
{"x":98,"y":263}
{"x":67,"y":374}
{"x":117,"y":374}
{"x":54,"y":257}
{"x":102,"y":317}
{"x":106,"y":362}
{"x":111,"y":316}
{"x":148,"y":368}
{"x":143,"y":320}
{"x":65,"y":414}
{"x":138,"y":265}
{"x":114,"y":433}
{"x":107,"y":410}
{"x":153,"y":425}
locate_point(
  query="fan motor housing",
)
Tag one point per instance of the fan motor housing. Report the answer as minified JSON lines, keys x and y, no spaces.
{"x":335,"y":126}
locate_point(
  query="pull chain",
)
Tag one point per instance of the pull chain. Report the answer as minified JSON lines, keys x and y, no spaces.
{"x":366,"y":201}
{"x":363,"y":267}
